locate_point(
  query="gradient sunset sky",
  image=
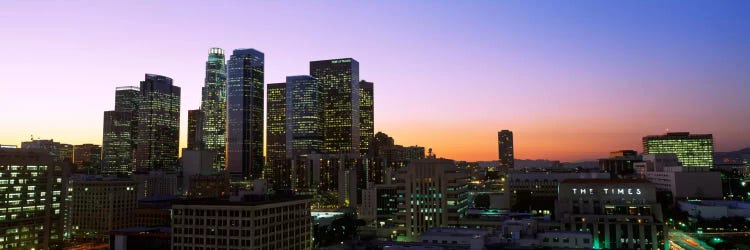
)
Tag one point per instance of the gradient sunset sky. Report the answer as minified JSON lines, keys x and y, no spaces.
{"x":573,"y":79}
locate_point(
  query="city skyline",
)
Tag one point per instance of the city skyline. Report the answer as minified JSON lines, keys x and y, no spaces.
{"x":580,"y":98}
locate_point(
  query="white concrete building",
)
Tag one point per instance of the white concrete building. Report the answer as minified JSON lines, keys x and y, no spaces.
{"x":716,"y":209}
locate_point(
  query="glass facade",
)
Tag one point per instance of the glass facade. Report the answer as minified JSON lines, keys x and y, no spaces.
{"x":303,"y":116}
{"x":340,"y":83}
{"x":120,"y":130}
{"x":158,"y":124}
{"x":245,"y":91}
{"x":276,"y":168}
{"x":32,"y":187}
{"x":214,"y":107}
{"x":366,"y":116}
{"x":691,"y":150}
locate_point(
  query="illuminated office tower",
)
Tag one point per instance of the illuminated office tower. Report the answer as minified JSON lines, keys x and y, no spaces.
{"x":505,"y":149}
{"x":32,"y":186}
{"x":195,"y":129}
{"x":214,"y":107}
{"x":120,"y":129}
{"x":277,"y":168}
{"x":340,"y":83}
{"x":87,"y":156}
{"x":303,"y":116}
{"x":245,"y":114}
{"x":158,"y":124}
{"x":691,"y":150}
{"x":366,"y":116}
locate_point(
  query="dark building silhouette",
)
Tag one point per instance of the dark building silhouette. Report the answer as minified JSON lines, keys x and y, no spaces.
{"x":505,"y":149}
{"x":158,"y":117}
{"x":195,"y":129}
{"x":245,"y":114}
{"x":620,"y":163}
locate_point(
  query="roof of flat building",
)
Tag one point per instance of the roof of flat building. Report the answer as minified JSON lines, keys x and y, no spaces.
{"x":256,"y":201}
{"x":604,"y":181}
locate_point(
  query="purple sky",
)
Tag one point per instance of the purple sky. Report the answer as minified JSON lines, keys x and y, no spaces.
{"x":572,"y":80}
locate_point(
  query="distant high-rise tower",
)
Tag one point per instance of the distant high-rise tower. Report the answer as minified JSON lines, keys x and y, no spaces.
{"x":340,"y":81}
{"x":214,"y":107}
{"x":195,"y":129}
{"x":277,"y":172}
{"x":366,"y":116}
{"x":120,"y":130}
{"x":691,"y":150}
{"x":304,"y":131}
{"x":505,"y":149}
{"x":245,"y":114}
{"x":158,"y":124}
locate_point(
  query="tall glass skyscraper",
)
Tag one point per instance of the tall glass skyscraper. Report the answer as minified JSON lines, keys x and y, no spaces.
{"x":304,"y":130}
{"x":366,"y":116}
{"x":158,"y":124}
{"x":120,"y":130}
{"x":277,"y":170}
{"x":691,"y":150}
{"x":505,"y":149}
{"x":245,"y":114}
{"x":214,"y":107}
{"x":339,"y":79}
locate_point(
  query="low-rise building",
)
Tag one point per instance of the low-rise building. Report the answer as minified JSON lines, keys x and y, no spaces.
{"x":715,"y":209}
{"x":535,"y":191}
{"x":99,"y":205}
{"x":619,"y":213}
{"x":254,"y":222}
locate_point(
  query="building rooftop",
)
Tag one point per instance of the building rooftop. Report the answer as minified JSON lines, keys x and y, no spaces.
{"x":248,"y":201}
{"x":604,"y":181}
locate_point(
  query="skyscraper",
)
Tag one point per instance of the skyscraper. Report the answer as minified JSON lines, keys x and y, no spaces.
{"x":158,"y":124}
{"x":505,"y":149}
{"x":366,"y":116}
{"x":304,"y":133}
{"x":195,"y":129}
{"x":340,"y":81}
{"x":277,"y":169}
{"x":214,"y":107}
{"x":245,"y":114}
{"x":120,"y":130}
{"x":691,"y":150}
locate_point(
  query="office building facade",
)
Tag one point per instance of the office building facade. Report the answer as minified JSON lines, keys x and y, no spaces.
{"x":32,"y":184}
{"x":431,"y":193}
{"x":99,"y":205}
{"x":214,"y":107}
{"x":304,"y":124}
{"x":366,"y":115}
{"x":283,"y":223}
{"x":158,"y":117}
{"x":245,"y":91}
{"x":120,"y":130}
{"x":693,"y":150}
{"x":340,"y":83}
{"x":87,"y":157}
{"x":619,"y":213}
{"x":277,"y":168}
